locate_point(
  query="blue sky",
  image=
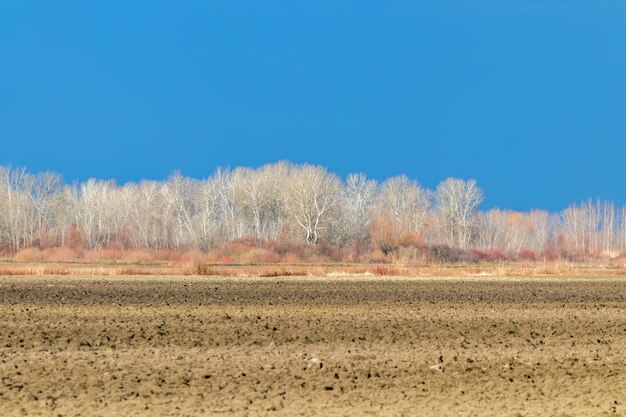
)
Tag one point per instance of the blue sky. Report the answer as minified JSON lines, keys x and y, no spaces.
{"x":527,"y":97}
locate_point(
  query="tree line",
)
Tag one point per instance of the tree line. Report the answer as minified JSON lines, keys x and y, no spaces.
{"x":284,"y":201}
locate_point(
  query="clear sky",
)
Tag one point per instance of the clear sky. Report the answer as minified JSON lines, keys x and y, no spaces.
{"x":527,"y":97}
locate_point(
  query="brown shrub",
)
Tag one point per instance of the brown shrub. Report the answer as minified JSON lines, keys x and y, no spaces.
{"x":277,"y":273}
{"x":144,"y":255}
{"x":289,"y":258}
{"x":129,"y":270}
{"x":256,"y":256}
{"x":55,"y":270}
{"x":384,"y":235}
{"x":291,"y":251}
{"x":29,"y":255}
{"x":220,"y":272}
{"x":527,"y":255}
{"x":16,"y":271}
{"x":377,"y":256}
{"x":190,"y":256}
{"x":407,"y":255}
{"x":62,"y":254}
{"x":326,"y":252}
{"x":232,"y":251}
{"x":387,"y":271}
{"x":112,"y":254}
{"x":411,"y":239}
{"x":357,"y":251}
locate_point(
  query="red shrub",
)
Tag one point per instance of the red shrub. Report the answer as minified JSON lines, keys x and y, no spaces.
{"x":527,"y":255}
{"x":479,"y":254}
{"x":494,"y":255}
{"x":227,"y":259}
{"x":550,"y":255}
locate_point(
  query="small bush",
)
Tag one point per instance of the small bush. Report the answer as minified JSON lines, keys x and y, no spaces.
{"x":104,"y":254}
{"x":411,"y":240}
{"x":550,"y":255}
{"x":258,"y":256}
{"x":55,"y":271}
{"x":144,"y":256}
{"x":29,"y":255}
{"x":357,"y":251}
{"x":387,"y":271}
{"x":495,"y":255}
{"x":327,"y":252}
{"x":192,"y":255}
{"x":277,"y":273}
{"x":385,"y":235}
{"x":446,"y":254}
{"x":62,"y":254}
{"x":130,"y":271}
{"x":14,"y":271}
{"x":491,"y":255}
{"x":527,"y":255}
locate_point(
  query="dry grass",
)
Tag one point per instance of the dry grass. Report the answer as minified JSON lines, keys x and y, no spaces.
{"x":250,"y":257}
{"x":198,"y":267}
{"x":37,"y":270}
{"x":29,"y":255}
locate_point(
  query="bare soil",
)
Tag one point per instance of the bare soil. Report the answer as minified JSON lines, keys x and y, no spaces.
{"x":195,"y":346}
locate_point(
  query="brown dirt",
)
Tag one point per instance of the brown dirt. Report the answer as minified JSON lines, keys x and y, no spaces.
{"x":185,"y":346}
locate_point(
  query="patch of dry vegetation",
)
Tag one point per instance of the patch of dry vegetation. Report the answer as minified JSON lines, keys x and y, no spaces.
{"x":529,"y":269}
{"x":253,"y":257}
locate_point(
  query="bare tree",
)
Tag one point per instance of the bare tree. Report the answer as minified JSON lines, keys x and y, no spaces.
{"x":590,"y":227}
{"x":179,"y":192}
{"x":258,"y":199}
{"x":17,"y":220}
{"x":541,"y":229}
{"x":46,"y":190}
{"x":404,"y":202}
{"x":149,"y":216}
{"x":457,"y":202}
{"x":278,"y":199}
{"x":94,"y":211}
{"x":310,"y":197}
{"x":274,"y":213}
{"x":355,"y":213}
{"x":492,"y":229}
{"x":207,"y":219}
{"x":608,"y":228}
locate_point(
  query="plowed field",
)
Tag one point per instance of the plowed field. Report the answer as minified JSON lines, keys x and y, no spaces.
{"x":184,"y":346}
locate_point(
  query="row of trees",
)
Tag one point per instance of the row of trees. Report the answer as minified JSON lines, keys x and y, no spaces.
{"x":286,"y":201}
